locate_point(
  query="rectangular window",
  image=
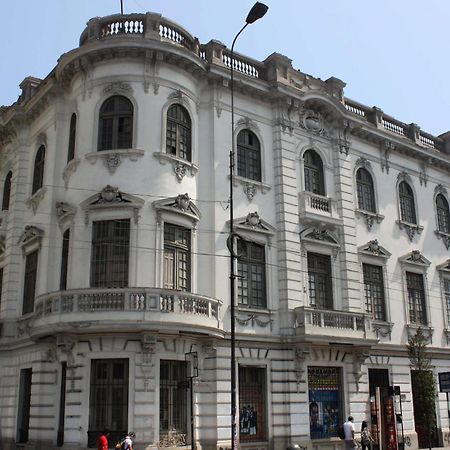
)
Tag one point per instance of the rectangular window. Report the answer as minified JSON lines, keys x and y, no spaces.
{"x":173,"y":402}
{"x":416,"y":298}
{"x":29,"y":284}
{"x":251,"y":271}
{"x":64,"y":260}
{"x":325,"y":401}
{"x":252,"y":404}
{"x":110,"y":253}
{"x":447,"y":299}
{"x":374,"y":291}
{"x":108,"y":399}
{"x":319,"y":281}
{"x":177,"y":257}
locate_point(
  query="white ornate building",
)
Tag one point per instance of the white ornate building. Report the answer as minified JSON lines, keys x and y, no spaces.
{"x":114,"y":268}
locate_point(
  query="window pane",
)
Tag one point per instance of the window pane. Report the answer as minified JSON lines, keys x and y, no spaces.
{"x":72,"y":136}
{"x":374,"y":291}
{"x":64,"y":260}
{"x":248,"y":155}
{"x":319,"y":281}
{"x":29,"y":288}
{"x":7,"y":192}
{"x":38,"y":173}
{"x":178,"y":132}
{"x":416,"y":298}
{"x":313,"y":171}
{"x":407,"y":207}
{"x":177,"y":257}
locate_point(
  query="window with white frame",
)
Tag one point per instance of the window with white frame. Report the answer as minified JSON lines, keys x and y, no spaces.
{"x":178,"y":132}
{"x":248,"y":155}
{"x":38,"y":171}
{"x":374,"y":291}
{"x":407,"y":205}
{"x":365,"y":190}
{"x":416,"y":298}
{"x":29,"y":282}
{"x":442,"y":211}
{"x":320,"y":281}
{"x":313,"y":171}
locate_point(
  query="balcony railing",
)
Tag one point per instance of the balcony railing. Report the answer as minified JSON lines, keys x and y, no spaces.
{"x":330,"y":324}
{"x":126,"y":306}
{"x":317,"y":207}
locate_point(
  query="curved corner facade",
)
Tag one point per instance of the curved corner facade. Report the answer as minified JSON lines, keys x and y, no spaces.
{"x":114,"y":267}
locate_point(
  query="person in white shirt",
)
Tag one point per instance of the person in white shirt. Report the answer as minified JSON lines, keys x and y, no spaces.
{"x":128,"y":443}
{"x":349,"y":430}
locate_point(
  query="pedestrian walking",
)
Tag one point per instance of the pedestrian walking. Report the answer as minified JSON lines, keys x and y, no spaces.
{"x":102,"y":440}
{"x":366,"y":437}
{"x":349,"y":432}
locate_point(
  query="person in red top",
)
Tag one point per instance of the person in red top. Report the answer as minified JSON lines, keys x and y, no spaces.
{"x":102,"y":441}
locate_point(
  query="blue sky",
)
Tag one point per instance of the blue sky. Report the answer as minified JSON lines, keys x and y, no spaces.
{"x":391,"y":53}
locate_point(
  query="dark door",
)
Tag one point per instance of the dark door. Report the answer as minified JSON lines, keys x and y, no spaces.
{"x":62,"y":405}
{"x":23,"y":417}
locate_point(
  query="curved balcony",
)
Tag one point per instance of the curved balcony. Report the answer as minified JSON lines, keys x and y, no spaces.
{"x":126,"y":309}
{"x":322,"y":325}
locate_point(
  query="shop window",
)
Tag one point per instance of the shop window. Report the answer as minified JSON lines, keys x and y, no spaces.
{"x":110,"y":253}
{"x":177,"y":257}
{"x":313,"y":170}
{"x":248,"y":155}
{"x":416,"y":298}
{"x":173,"y":402}
{"x":178,"y":132}
{"x":365,"y":190}
{"x":251,"y":271}
{"x":252,"y":404}
{"x":374,"y":291}
{"x":7,"y":192}
{"x":108,"y":399}
{"x":29,"y":284}
{"x":64,"y":260}
{"x":38,"y":172}
{"x":407,"y":207}
{"x":320,"y":281}
{"x":115,"y":124}
{"x":325,"y":401}
{"x":72,"y":137}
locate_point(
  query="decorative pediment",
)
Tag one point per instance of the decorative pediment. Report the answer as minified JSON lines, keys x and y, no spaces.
{"x":415,"y":258}
{"x":373,"y":248}
{"x":111,"y":197}
{"x":181,"y":204}
{"x":319,"y":235}
{"x":253,"y":223}
{"x":30,"y":238}
{"x":444,"y":267}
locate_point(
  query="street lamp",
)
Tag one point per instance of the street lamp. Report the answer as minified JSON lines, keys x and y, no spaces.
{"x":258,"y":10}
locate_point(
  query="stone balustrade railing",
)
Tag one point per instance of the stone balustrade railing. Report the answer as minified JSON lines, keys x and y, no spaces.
{"x":276,"y":68}
{"x":126,"y":299}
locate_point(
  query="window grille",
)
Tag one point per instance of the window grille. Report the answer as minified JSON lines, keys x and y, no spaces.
{"x":116,"y":124}
{"x":110,"y":253}
{"x":325,"y":401}
{"x":178,"y":132}
{"x":319,"y":281}
{"x":248,"y":155}
{"x":252,"y":404}
{"x":108,"y":404}
{"x":313,"y":169}
{"x":407,"y":208}
{"x":374,"y":291}
{"x":365,"y":191}
{"x":64,"y":260}
{"x":416,"y":298}
{"x":251,"y":271}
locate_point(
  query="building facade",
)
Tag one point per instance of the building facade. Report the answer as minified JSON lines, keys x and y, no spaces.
{"x":114,"y":267}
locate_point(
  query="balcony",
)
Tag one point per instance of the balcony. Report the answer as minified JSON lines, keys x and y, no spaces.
{"x":317,"y":209}
{"x":127,"y":309}
{"x":337,"y":326}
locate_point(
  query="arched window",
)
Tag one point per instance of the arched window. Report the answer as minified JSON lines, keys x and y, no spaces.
{"x":407,"y":207}
{"x":178,"y":132}
{"x":365,"y":191}
{"x":442,"y":214}
{"x":7,"y":192}
{"x":38,"y":173}
{"x":313,"y":173}
{"x":72,"y":136}
{"x":248,"y":155}
{"x":115,"y":124}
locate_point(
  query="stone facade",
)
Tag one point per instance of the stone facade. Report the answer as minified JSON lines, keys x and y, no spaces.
{"x":347,"y":207}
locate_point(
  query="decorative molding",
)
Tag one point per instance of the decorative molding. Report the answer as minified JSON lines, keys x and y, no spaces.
{"x":369,"y":217}
{"x":253,"y":223}
{"x":319,"y":235}
{"x":36,"y":198}
{"x":404,"y":176}
{"x":444,"y":267}
{"x":359,"y":359}
{"x":246,"y":122}
{"x":113,"y":158}
{"x":411,"y":329}
{"x":180,"y":97}
{"x":30,"y":238}
{"x":301,"y":354}
{"x":70,"y":168}
{"x":250,"y":187}
{"x":180,"y":166}
{"x":415,"y":258}
{"x":65,"y":213}
{"x":410,"y":228}
{"x":423,"y":174}
{"x":445,"y":237}
{"x":253,"y":319}
{"x":385,"y":149}
{"x":363,"y":162}
{"x":373,"y":248}
{"x":312,"y":121}
{"x":382,"y":329}
{"x":111,"y":197}
{"x":181,"y":204}
{"x":117,"y":87}
{"x":440,"y":189}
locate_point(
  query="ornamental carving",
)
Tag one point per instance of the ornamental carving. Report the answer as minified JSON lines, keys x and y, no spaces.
{"x":117,"y":87}
{"x":112,"y":162}
{"x":70,"y":168}
{"x":253,"y":319}
{"x":415,"y":257}
{"x":445,"y":237}
{"x":30,"y":234}
{"x":180,"y":170}
{"x":183,"y":202}
{"x":363,"y":162}
{"x":440,"y":189}
{"x":313,"y":121}
{"x":373,"y":248}
{"x":410,"y":229}
{"x":36,"y":198}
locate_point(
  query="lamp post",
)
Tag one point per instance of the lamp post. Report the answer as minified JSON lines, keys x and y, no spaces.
{"x":258,"y":10}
